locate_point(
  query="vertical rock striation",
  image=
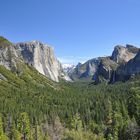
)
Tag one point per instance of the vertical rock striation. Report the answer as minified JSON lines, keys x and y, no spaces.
{"x":42,"y":58}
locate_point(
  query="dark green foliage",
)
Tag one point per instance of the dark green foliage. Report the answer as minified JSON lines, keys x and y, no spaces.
{"x":67,"y":110}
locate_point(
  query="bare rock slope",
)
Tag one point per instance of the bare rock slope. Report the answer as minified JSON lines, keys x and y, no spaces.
{"x":36,"y":54}
{"x":106,"y":68}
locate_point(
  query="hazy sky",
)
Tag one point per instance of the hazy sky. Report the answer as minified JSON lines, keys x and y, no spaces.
{"x":77,"y":29}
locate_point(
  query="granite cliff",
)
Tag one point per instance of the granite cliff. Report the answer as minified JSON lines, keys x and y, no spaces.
{"x":107,"y":68}
{"x":36,"y":54}
{"x":121,"y":65}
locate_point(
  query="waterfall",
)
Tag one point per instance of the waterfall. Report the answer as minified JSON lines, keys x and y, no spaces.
{"x":114,"y":76}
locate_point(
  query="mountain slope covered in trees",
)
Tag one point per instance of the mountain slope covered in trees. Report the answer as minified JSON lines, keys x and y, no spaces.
{"x":33,"y":107}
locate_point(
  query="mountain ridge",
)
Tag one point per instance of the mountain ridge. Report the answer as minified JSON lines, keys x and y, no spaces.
{"x":34,"y":53}
{"x":120,"y":65}
{"x":103,"y":68}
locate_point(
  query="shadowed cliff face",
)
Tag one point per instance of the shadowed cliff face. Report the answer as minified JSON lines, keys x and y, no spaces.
{"x":121,"y":65}
{"x":36,"y":54}
{"x":125,"y":71}
{"x":9,"y":56}
{"x":133,"y":66}
{"x":104,"y":68}
{"x":85,"y":71}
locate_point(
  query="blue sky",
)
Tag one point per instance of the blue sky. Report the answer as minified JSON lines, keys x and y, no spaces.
{"x":77,"y":29}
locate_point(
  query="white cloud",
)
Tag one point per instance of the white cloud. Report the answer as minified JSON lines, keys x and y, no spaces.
{"x":66,"y":60}
{"x":73,"y":60}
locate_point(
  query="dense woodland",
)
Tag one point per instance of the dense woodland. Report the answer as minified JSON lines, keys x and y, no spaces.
{"x":35,"y":108}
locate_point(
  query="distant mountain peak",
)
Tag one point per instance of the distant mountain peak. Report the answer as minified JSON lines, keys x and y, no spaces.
{"x":104,"y":68}
{"x":124,"y":61}
{"x":68,"y":68}
{"x":122,"y":54}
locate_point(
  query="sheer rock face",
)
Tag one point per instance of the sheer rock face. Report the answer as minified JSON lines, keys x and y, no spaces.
{"x":124,"y":62}
{"x":9,"y":57}
{"x":125,"y":71}
{"x":106,"y":68}
{"x":123,"y":54}
{"x":36,"y":54}
{"x":94,"y":69}
{"x":42,"y":58}
{"x":86,"y":70}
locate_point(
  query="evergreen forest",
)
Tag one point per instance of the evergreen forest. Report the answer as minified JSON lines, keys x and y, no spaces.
{"x":35,"y":108}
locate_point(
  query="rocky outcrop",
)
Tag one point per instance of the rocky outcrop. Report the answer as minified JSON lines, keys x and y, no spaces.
{"x":133,"y":66}
{"x":105,"y":68}
{"x":86,"y":70}
{"x":121,"y":65}
{"x":123,"y":54}
{"x":8,"y":54}
{"x":95,"y":69}
{"x":124,"y":72}
{"x":42,"y":58}
{"x":34,"y":53}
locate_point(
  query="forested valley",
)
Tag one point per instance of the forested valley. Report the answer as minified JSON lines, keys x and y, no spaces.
{"x":35,"y":108}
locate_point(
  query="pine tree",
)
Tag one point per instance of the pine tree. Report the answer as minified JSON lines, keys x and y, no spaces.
{"x":76,"y":123}
{"x":24,"y":126}
{"x":1,"y":126}
{"x":2,"y":134}
{"x":16,"y":135}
